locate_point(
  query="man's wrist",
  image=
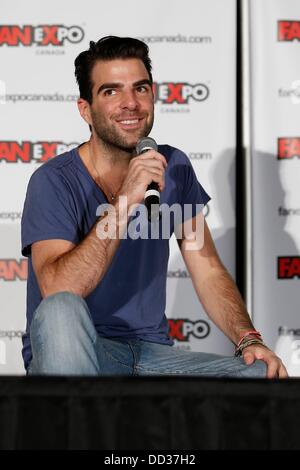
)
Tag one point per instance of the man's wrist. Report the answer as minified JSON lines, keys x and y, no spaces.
{"x":246,"y":343}
{"x":250,"y":333}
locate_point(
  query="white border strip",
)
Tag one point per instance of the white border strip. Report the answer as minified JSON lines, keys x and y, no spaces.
{"x":247,"y":129}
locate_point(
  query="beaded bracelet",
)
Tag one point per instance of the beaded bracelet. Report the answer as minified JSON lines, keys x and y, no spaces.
{"x":239,"y":349}
{"x":248,"y":333}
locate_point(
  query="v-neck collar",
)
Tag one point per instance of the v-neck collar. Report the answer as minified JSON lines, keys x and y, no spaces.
{"x":85,"y":171}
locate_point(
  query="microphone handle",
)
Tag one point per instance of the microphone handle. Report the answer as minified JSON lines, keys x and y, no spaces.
{"x":152,"y":194}
{"x":152,"y":198}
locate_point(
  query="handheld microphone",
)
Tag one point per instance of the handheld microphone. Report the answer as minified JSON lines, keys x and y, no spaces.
{"x":152,"y":194}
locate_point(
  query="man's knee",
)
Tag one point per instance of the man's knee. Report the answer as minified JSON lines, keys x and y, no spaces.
{"x":62,"y":336}
{"x":258,"y":369}
{"x":60,"y":311}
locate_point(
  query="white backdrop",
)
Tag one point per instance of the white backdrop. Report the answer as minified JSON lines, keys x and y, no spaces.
{"x":191,"y":43}
{"x":275,"y":36}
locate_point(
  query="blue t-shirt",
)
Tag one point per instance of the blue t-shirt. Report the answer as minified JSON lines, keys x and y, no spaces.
{"x":61,"y":203}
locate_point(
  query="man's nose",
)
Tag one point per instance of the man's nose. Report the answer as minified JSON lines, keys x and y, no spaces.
{"x":129,"y":100}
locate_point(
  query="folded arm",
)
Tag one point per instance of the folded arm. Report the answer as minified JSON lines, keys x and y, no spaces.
{"x":60,"y":265}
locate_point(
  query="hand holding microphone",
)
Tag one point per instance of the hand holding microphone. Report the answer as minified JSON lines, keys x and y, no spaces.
{"x":152,"y":194}
{"x":145,"y":177}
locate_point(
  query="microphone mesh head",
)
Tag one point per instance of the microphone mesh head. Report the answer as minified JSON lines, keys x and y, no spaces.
{"x":144,"y":144}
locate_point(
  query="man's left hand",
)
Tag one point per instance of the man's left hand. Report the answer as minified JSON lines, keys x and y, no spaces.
{"x":275,"y":367}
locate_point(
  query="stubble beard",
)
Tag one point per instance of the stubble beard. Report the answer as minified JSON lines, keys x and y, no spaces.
{"x":114,"y":138}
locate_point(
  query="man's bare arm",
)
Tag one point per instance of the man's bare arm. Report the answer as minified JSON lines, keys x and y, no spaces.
{"x":215,"y":288}
{"x":62,"y":266}
{"x":222,"y":301}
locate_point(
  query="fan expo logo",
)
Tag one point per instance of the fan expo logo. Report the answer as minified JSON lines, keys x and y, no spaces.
{"x":288,"y":148}
{"x":181,"y":329}
{"x":42,"y":35}
{"x":12,"y":151}
{"x":13,"y":269}
{"x":179,"y":93}
{"x":288,"y":267}
{"x":288,"y":30}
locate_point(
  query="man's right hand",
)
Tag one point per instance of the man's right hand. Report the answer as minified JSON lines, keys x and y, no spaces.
{"x":142,"y":170}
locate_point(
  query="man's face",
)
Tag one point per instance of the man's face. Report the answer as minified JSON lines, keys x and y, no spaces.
{"x":122,"y":109}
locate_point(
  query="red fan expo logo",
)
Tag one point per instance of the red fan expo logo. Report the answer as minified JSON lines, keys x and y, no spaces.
{"x":180,"y":93}
{"x":13,"y":151}
{"x":288,"y":267}
{"x":181,"y":329}
{"x":43,"y":35}
{"x":288,"y":30}
{"x":13,"y":269}
{"x":288,"y":147}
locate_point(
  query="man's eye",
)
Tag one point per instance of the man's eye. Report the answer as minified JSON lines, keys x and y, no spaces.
{"x":109,"y":92}
{"x":142,"y":89}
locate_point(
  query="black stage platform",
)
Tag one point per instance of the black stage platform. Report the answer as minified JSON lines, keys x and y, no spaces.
{"x":151,"y":413}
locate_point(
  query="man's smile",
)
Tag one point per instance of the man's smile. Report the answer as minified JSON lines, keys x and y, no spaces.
{"x":130,"y":123}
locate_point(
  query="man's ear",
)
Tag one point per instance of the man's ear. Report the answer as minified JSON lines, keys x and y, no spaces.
{"x":85,"y":110}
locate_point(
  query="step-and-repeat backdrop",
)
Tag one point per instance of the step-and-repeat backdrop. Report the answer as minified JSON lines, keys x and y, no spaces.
{"x":275,"y":45}
{"x":193,"y":49}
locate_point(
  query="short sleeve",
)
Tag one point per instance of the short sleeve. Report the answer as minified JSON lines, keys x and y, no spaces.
{"x":49,"y":210}
{"x":192,"y":193}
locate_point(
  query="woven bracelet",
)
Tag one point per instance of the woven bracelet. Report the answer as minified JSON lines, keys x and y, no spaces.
{"x":254,"y":333}
{"x":239,"y":350}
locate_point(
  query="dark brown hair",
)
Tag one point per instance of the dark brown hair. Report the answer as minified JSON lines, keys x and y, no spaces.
{"x":108,"y":48}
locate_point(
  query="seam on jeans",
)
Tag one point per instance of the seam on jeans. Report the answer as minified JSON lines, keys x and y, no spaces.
{"x":112,"y":357}
{"x":163,"y":371}
{"x":35,"y":357}
{"x":238,"y":366}
{"x":94,"y":341}
{"x":134,"y":359}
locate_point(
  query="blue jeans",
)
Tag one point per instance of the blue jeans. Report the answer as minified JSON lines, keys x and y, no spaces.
{"x":65,"y":342}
